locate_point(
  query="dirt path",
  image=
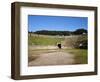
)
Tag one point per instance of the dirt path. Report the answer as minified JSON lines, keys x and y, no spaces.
{"x":53,"y":58}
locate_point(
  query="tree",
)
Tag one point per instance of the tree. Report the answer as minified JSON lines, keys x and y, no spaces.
{"x":46,"y":32}
{"x":80,"y":31}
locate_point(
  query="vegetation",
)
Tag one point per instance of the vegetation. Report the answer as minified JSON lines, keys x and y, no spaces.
{"x":76,"y":40}
{"x":80,"y":41}
{"x":81,"y":56}
{"x":64,"y":33}
{"x":42,"y":40}
{"x":46,"y":32}
{"x":80,"y":31}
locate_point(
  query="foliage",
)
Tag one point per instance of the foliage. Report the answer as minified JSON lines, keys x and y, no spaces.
{"x":46,"y":32}
{"x":61,"y":33}
{"x":80,"y":31}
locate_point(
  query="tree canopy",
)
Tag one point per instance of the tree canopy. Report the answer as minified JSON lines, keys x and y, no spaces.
{"x":64,"y":33}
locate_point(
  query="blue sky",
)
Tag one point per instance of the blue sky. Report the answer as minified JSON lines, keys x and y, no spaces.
{"x":58,"y":23}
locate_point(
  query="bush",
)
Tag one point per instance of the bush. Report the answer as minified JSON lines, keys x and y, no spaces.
{"x":82,"y":42}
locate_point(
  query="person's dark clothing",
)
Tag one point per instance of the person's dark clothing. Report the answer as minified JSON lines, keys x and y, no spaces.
{"x":59,"y":46}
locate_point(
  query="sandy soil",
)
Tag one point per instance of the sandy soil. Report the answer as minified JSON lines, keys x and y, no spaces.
{"x":53,"y":58}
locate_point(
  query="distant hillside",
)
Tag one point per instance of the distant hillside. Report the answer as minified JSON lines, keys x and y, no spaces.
{"x":65,"y":33}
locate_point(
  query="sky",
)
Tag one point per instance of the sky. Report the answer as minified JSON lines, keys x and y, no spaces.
{"x":56,"y":23}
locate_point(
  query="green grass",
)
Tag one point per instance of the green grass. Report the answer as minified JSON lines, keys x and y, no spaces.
{"x":38,"y":40}
{"x":81,"y":55}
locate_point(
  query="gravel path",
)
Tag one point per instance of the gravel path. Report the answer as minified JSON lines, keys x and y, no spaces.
{"x":53,"y":58}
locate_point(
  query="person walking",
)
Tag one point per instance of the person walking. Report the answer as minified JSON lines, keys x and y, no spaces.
{"x":59,"y":46}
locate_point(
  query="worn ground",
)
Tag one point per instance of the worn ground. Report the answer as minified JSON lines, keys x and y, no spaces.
{"x":53,"y":57}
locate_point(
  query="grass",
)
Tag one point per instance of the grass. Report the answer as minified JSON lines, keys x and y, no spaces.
{"x":39,"y":40}
{"x":81,"y":55}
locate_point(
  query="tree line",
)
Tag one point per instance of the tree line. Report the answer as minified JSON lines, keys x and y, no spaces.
{"x":64,"y":33}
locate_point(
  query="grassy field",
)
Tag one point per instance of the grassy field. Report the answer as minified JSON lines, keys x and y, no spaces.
{"x":81,"y":55}
{"x":66,"y":41}
{"x":40,"y":40}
